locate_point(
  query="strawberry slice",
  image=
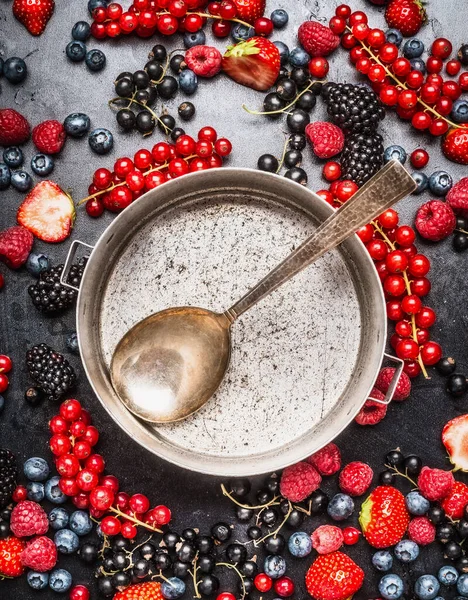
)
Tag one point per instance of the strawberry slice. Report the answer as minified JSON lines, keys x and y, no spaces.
{"x":47,"y":212}
{"x":254,"y":63}
{"x":455,"y":440}
{"x":250,"y":10}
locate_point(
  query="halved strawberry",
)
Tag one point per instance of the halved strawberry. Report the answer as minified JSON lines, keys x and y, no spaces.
{"x":455,"y":440}
{"x":47,"y":212}
{"x":254,"y":63}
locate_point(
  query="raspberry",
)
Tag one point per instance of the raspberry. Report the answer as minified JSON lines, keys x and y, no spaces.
{"x":403,"y":388}
{"x":327,"y":538}
{"x":15,"y":246}
{"x":356,"y":478}
{"x":28,"y":518}
{"x":327,"y":461}
{"x":14,"y":128}
{"x":435,"y":220}
{"x":458,"y":197}
{"x":421,"y":531}
{"x":40,"y":554}
{"x":49,"y":137}
{"x":456,"y":501}
{"x":435,"y":484}
{"x":326,"y":139}
{"x":372,"y":412}
{"x":204,"y":61}
{"x":299,"y":481}
{"x":317,"y":39}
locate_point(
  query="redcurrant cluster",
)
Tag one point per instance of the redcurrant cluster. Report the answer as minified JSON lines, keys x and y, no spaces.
{"x":82,"y":477}
{"x":130,"y":179}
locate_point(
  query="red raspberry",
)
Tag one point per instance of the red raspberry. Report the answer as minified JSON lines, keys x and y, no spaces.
{"x":435,"y":484}
{"x":299,"y":481}
{"x":204,"y":61}
{"x":372,"y":412}
{"x":317,"y":39}
{"x":49,"y":137}
{"x":355,"y":478}
{"x":403,"y":388}
{"x":40,"y":554}
{"x":458,"y":197}
{"x":421,"y":531}
{"x":435,"y":220}
{"x":14,"y":128}
{"x":456,"y":501}
{"x":327,"y":461}
{"x":327,"y":538}
{"x":15,"y":246}
{"x":28,"y":518}
{"x":326,"y":139}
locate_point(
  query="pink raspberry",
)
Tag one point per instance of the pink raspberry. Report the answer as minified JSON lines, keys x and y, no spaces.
{"x":327,"y":538}
{"x":435,"y":484}
{"x":299,"y":481}
{"x":327,"y":461}
{"x":403,"y":388}
{"x":326,"y":139}
{"x":435,"y":220}
{"x":454,"y":504}
{"x":458,"y":197}
{"x":372,"y":412}
{"x":204,"y":61}
{"x":421,"y":531}
{"x":355,"y":478}
{"x":40,"y":554}
{"x":28,"y":518}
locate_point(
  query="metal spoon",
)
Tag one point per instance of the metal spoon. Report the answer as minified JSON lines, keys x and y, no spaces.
{"x":171,"y":363}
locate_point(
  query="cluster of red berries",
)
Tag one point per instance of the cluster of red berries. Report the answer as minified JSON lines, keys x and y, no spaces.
{"x":82,"y":477}
{"x":5,"y":367}
{"x":130,"y":179}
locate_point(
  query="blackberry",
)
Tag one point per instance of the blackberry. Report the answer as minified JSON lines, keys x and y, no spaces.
{"x":362,"y":157}
{"x":354,"y":108}
{"x":50,"y":370}
{"x":8,"y":475}
{"x":49,"y":295}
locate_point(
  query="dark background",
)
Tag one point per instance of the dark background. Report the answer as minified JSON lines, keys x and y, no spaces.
{"x":55,"y":88}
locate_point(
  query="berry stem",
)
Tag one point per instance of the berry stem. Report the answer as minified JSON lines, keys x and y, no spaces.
{"x":405,"y":475}
{"x":134,"y":520}
{"x":286,"y":108}
{"x":262,"y":506}
{"x":281,"y":161}
{"x":277,"y":530}
{"x":234,"y":568}
{"x":209,"y":16}
{"x":194,"y":577}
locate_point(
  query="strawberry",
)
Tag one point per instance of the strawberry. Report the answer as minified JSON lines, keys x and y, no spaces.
{"x":250,"y":10}
{"x":455,"y":146}
{"x":334,"y":577}
{"x":150,"y":590}
{"x":408,"y":16}
{"x":254,"y":63}
{"x":384,"y":518}
{"x":47,"y":212}
{"x":14,"y":128}
{"x":10,"y":552}
{"x":33,"y":14}
{"x":317,"y":39}
{"x":455,"y":440}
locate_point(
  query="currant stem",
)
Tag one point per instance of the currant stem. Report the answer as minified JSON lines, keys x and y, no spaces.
{"x":232,"y":499}
{"x":194,"y":577}
{"x":286,"y":108}
{"x":285,"y":148}
{"x":217,"y":17}
{"x":277,"y":530}
{"x":118,"y":512}
{"x":405,"y":475}
{"x":234,"y":568}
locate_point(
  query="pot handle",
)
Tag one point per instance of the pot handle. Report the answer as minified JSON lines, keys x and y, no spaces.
{"x":69,"y":261}
{"x":394,"y":382}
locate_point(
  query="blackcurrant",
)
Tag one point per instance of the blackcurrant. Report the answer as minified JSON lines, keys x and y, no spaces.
{"x":297,"y":141}
{"x":394,"y":458}
{"x":125,"y":75}
{"x":221,"y":532}
{"x":189,"y":534}
{"x":316,"y":88}
{"x":167,"y":88}
{"x":273,"y":102}
{"x":121,"y":580}
{"x":286,"y":89}
{"x":446,"y":366}
{"x":319,"y":501}
{"x":33,"y":396}
{"x":272,"y":484}
{"x":412,"y":464}
{"x":186,"y":552}
{"x":462,"y":527}
{"x":462,"y":223}
{"x":126,"y":119}
{"x":270,"y":516}
{"x":208,"y":585}
{"x":88,"y":553}
{"x":124,"y":88}
{"x":206,"y":563}
{"x":186,"y":111}
{"x":180,"y":569}
{"x":268,"y":163}
{"x":307,"y":101}
{"x":264,"y":496}
{"x":247,"y":587}
{"x":457,"y":384}
{"x":254,"y":532}
{"x":249,"y":568}
{"x":275,"y":544}
{"x":176,"y":133}
{"x":244,"y":514}
{"x":204,"y":544}
{"x":144,"y":121}
{"x":171,"y":539}
{"x":462,"y":564}
{"x":297,"y":121}
{"x":239,"y":488}
{"x":4,"y":530}
{"x":158,"y":52}
{"x":152,"y":95}
{"x":295,"y":518}
{"x":386,"y":478}
{"x":120,"y":560}
{"x":463,"y":54}
{"x":460,"y":241}
{"x":106,"y":587}
{"x":298,"y":175}
{"x":300,"y":76}
{"x":142,"y":96}
{"x":141,"y":568}
{"x":436,"y":514}
{"x":162,"y":561}
{"x":177,"y":63}
{"x":236,"y":553}
{"x":141,"y":79}
{"x":445,"y":532}
{"x":452,"y":550}
{"x":154,"y":70}
{"x":292,"y":158}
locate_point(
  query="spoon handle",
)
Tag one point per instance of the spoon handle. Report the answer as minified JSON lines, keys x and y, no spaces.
{"x":389,"y":185}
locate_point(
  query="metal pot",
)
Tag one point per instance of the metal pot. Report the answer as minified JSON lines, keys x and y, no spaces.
{"x":304,"y":362}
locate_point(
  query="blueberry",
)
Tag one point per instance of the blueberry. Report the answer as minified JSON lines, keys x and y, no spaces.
{"x":382,"y":560}
{"x":80,"y":523}
{"x":60,"y":580}
{"x":2,"y":62}
{"x":93,"y":4}
{"x":42,"y":164}
{"x":416,"y":504}
{"x":95,"y":60}
{"x":394,"y":37}
{"x":77,"y":124}
{"x":52,"y":491}
{"x":15,"y":69}
{"x":2,"y":403}
{"x":395,"y":153}
{"x":38,"y":581}
{"x":298,"y":57}
{"x":240,"y":33}
{"x":197,"y":38}
{"x":13,"y":156}
{"x":81,"y":31}
{"x":76,"y":51}
{"x":188,"y":82}
{"x":36,"y":469}
{"x":284,"y":52}
{"x":35,"y":491}
{"x":72,"y":343}
{"x":459,"y":111}
{"x":413,"y":48}
{"x":101,"y":141}
{"x":5,"y":176}
{"x":58,"y":518}
{"x":66,"y":541}
{"x":422,"y":181}
{"x":462,"y":585}
{"x":300,"y":544}
{"x":391,"y":587}
{"x":427,"y":587}
{"x":173,"y":588}
{"x":447,"y":575}
{"x":274,"y":566}
{"x":406,"y":551}
{"x":280,"y":18}
{"x":418,"y":65}
{"x":340,"y":507}
{"x":21,"y":181}
{"x":440,"y":183}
